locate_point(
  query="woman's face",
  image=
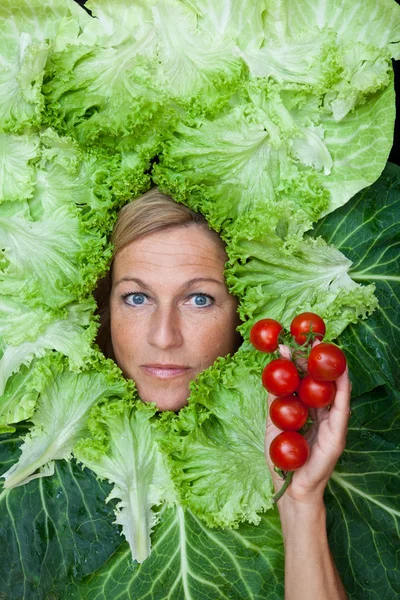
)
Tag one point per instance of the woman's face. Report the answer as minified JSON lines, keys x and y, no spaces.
{"x":171,"y":312}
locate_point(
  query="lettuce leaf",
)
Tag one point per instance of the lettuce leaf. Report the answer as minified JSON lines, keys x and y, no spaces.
{"x":49,"y":256}
{"x":102,"y":90}
{"x":18,"y":401}
{"x":123,"y":85}
{"x":26,"y":333}
{"x":16,"y":156}
{"x":93,"y":181}
{"x":61,"y":209}
{"x":216,"y":444}
{"x":300,"y":153}
{"x":27,"y":31}
{"x":359,"y":145}
{"x":311,"y":58}
{"x":104,"y":94}
{"x":123,"y":449}
{"x":319,"y":98}
{"x":279,"y":278}
{"x":376,"y":20}
{"x":60,"y":417}
{"x":331,"y":48}
{"x":195,"y":66}
{"x":132,"y":16}
{"x":210,"y":163}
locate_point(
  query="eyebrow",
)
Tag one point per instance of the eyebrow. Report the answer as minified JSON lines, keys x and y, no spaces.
{"x":187,"y":285}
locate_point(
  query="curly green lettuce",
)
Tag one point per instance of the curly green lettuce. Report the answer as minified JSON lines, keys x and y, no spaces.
{"x":264,"y":117}
{"x":28,"y":33}
{"x":277,"y":274}
{"x":123,"y":448}
{"x":215,"y":445}
{"x":61,"y":413}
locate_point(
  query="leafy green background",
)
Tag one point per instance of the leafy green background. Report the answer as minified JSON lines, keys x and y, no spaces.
{"x":72,"y":536}
{"x":192,"y":561}
{"x":364,"y":491}
{"x":57,"y":535}
{"x":363,"y":496}
{"x":55,"y":531}
{"x":367,"y":231}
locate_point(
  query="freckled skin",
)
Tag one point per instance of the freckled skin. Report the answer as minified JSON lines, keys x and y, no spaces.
{"x":171,"y":325}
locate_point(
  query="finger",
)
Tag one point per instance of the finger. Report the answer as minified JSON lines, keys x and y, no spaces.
{"x":318,"y":414}
{"x":323,"y":413}
{"x":285,"y":351}
{"x":339,"y":413}
{"x":302,"y":362}
{"x":277,"y":480}
{"x":312,"y":412}
{"x":311,"y":435}
{"x":270,"y":399}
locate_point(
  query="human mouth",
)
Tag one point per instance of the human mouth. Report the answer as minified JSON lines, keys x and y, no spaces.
{"x":165,"y":371}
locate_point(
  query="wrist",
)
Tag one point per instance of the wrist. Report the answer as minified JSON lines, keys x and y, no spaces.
{"x":296,"y":515}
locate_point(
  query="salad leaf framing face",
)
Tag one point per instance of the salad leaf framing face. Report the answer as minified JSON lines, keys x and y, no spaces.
{"x":264,"y":124}
{"x":124,"y":450}
{"x":16,"y":154}
{"x":25,"y":31}
{"x":278,"y":279}
{"x":70,"y":332}
{"x":219,"y":439}
{"x":60,"y":417}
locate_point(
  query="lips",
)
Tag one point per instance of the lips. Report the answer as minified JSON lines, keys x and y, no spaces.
{"x":165,"y":371}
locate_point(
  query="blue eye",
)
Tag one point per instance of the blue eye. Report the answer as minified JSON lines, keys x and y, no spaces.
{"x":134,"y":299}
{"x":202,"y":300}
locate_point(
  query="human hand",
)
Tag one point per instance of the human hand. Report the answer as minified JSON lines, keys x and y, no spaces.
{"x":327,"y":440}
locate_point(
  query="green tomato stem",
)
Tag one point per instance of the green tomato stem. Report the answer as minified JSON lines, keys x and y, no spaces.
{"x":285,"y":486}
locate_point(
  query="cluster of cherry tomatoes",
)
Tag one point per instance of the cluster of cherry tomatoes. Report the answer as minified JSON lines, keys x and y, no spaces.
{"x":310,"y":385}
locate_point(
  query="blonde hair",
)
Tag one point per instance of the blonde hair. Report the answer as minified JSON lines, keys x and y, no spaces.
{"x":151,"y":212}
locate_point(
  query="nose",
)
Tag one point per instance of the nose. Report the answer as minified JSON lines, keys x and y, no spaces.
{"x":165,"y":330}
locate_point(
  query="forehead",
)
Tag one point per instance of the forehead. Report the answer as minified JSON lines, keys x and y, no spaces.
{"x":181,"y":253}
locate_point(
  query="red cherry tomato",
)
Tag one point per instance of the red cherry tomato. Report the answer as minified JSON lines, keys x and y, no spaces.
{"x":280,"y":377}
{"x":289,"y":450}
{"x":326,"y":362}
{"x":288,"y":413}
{"x":316,"y":394}
{"x":264,"y":335}
{"x":306,"y":323}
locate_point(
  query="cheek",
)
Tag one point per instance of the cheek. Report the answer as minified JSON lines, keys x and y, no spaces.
{"x":217,"y":338}
{"x":125,"y":336}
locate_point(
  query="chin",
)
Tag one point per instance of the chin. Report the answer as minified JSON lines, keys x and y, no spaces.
{"x":165,"y":402}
